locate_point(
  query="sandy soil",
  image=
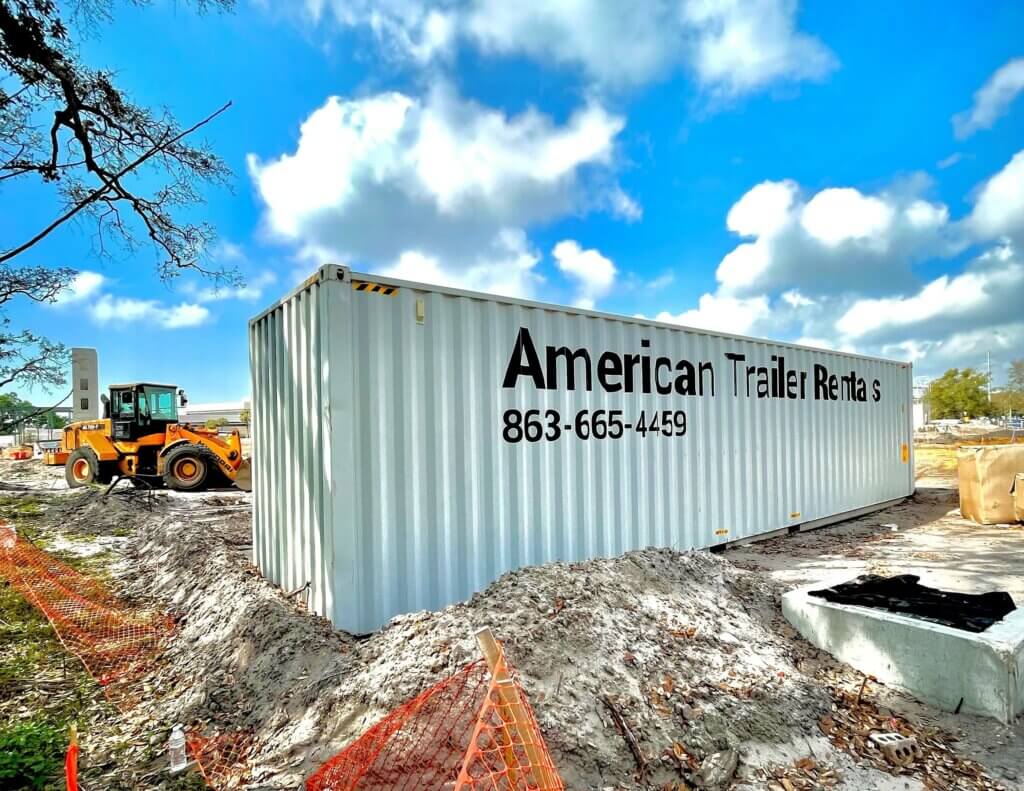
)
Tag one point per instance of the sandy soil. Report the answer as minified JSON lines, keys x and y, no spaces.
{"x":691,"y":648}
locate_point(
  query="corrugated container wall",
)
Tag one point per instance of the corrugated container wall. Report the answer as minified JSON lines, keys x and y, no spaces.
{"x":412,"y":443}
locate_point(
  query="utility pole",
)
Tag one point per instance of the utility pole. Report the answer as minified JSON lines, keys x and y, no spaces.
{"x":988,"y":360}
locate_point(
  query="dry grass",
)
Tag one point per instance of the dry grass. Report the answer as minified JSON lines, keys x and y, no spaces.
{"x":935,"y":462}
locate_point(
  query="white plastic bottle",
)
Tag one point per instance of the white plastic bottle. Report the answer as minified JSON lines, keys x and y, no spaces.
{"x":176,"y":749}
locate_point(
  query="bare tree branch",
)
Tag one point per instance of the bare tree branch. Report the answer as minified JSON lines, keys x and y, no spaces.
{"x":112,"y":187}
{"x":28,"y":359}
{"x":97,"y":143}
{"x":37,"y":283}
{"x":126,"y":168}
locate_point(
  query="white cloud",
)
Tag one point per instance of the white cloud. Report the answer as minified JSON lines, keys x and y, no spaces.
{"x":732,"y":47}
{"x":988,"y":292}
{"x":594,"y":273}
{"x":506,"y":268}
{"x":817,"y":343}
{"x":742,"y":46}
{"x":948,"y":162}
{"x":622,"y":205}
{"x":926,"y":216}
{"x":961,"y":349}
{"x":406,"y":28}
{"x":999,"y":208}
{"x":250,"y":292}
{"x":227,"y":251}
{"x":392,"y":179}
{"x":661,"y":282}
{"x":944,"y":295}
{"x":795,"y":299}
{"x":838,"y":238}
{"x":992,"y":100}
{"x":832,"y":345}
{"x":109,"y":309}
{"x":106,"y":308}
{"x":763,"y":210}
{"x":83,"y":285}
{"x":838,"y":215}
{"x":182,"y":315}
{"x":909,"y":351}
{"x":722,"y":314}
{"x":835,"y":270}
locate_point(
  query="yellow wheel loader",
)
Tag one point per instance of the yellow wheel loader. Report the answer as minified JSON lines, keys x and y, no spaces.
{"x":140,"y":438}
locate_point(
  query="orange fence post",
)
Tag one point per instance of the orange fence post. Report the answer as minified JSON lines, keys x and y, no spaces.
{"x":71,"y":761}
{"x":473,"y":731}
{"x":514,"y":714}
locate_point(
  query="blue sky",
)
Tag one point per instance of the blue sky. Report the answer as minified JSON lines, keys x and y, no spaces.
{"x":844,"y":176}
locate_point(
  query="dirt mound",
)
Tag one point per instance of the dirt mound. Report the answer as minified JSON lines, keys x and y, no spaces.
{"x":680,"y":644}
{"x":88,"y":512}
{"x":668,"y":638}
{"x":682,"y":654}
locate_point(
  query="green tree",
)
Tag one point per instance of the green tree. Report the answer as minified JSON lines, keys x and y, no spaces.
{"x":958,"y":392}
{"x":216,"y":422}
{"x":13,"y":408}
{"x":16,"y":412}
{"x":53,"y":420}
{"x":245,"y":416}
{"x":1014,"y":387}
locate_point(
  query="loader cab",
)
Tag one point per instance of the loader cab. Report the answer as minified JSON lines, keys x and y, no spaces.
{"x":136,"y":410}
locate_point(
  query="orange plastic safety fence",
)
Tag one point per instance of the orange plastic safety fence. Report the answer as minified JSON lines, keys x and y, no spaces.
{"x":221,"y":759}
{"x":114,"y":643}
{"x":469,"y":732}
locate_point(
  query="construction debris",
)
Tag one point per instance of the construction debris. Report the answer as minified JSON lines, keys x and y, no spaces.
{"x":853,"y":726}
{"x":899,"y":750}
{"x":717,"y":770}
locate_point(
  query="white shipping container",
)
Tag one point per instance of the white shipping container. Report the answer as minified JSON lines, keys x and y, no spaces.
{"x":412,"y":443}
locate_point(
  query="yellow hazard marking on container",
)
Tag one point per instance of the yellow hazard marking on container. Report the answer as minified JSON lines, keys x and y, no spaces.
{"x":905,"y":452}
{"x":721,"y":532}
{"x":374,"y":288}
{"x":794,"y":515}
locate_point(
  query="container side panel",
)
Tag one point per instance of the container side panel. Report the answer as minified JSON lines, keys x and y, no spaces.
{"x":607,"y":436}
{"x":291,"y":539}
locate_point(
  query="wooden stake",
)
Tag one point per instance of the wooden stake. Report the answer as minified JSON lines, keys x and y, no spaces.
{"x":628,"y":736}
{"x":520,"y":724}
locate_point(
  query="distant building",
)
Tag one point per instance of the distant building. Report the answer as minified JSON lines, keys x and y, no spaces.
{"x":85,"y":381}
{"x":228,"y":411}
{"x":922,"y":414}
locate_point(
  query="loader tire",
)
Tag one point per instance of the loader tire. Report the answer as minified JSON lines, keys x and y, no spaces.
{"x":187,"y":467}
{"x":82,"y":468}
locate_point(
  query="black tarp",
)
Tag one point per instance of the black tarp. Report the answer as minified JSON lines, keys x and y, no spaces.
{"x":904,"y":594}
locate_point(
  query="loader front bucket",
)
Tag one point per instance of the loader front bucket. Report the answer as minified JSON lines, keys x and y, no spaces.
{"x":243,"y":476}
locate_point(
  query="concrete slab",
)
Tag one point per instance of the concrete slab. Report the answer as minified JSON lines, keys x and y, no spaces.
{"x":944,"y":667}
{"x":924,"y":535}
